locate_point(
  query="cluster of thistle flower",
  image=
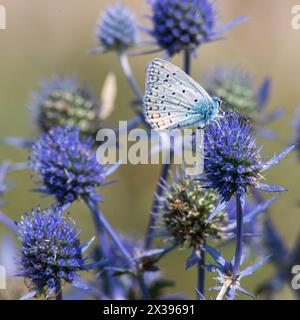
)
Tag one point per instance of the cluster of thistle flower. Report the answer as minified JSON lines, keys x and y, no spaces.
{"x":196,"y":214}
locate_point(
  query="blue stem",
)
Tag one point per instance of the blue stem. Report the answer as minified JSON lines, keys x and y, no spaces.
{"x":113,"y":285}
{"x":58,"y":291}
{"x":9,"y":223}
{"x":201,"y":263}
{"x":156,"y":202}
{"x":187,"y":61}
{"x":135,"y":122}
{"x":201,"y":273}
{"x":117,"y":241}
{"x":129,"y":76}
{"x":239,"y":237}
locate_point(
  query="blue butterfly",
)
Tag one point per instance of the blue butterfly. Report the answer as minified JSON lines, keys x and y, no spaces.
{"x":174,"y":100}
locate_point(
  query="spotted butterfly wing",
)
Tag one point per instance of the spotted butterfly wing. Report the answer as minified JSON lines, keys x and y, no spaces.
{"x":173,"y":99}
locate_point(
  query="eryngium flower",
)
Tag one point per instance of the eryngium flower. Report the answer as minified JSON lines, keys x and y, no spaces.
{"x":51,"y":252}
{"x":68,"y":165}
{"x":117,"y":28}
{"x":63,"y":102}
{"x":185,"y":210}
{"x":232,"y":163}
{"x":182,"y":24}
{"x":236,"y":89}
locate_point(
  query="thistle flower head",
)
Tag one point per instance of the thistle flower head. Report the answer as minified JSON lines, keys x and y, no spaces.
{"x":117,"y":28}
{"x":233,"y":163}
{"x":236,"y":89}
{"x":63,"y":102}
{"x":185,"y":210}
{"x":51,"y":252}
{"x":179,"y":25}
{"x":67,"y":165}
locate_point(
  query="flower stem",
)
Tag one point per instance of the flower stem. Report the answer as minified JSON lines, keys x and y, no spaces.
{"x":117,"y":241}
{"x":187,"y":61}
{"x":144,"y":288}
{"x":103,"y":246}
{"x":156,"y":202}
{"x":129,"y":76}
{"x":239,"y":237}
{"x":133,"y":84}
{"x":105,"y":224}
{"x":223,"y":291}
{"x":58,"y":291}
{"x":135,"y":122}
{"x":201,"y":273}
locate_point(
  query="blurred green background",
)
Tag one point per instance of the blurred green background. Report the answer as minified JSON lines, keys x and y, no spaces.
{"x":49,"y":37}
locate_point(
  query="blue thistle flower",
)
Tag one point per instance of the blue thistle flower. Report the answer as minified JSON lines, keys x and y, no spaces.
{"x":184,"y":211}
{"x":236,"y":88}
{"x":233,"y":163}
{"x":117,"y":28}
{"x":179,"y":25}
{"x":64,"y":102}
{"x":51,"y":252}
{"x":68,"y":165}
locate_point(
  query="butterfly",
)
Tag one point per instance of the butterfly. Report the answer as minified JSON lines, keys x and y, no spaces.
{"x":174,"y":100}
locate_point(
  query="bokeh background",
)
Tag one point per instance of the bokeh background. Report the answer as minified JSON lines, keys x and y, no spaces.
{"x":44,"y":38}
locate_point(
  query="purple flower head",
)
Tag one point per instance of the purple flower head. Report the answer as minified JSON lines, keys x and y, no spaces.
{"x":233,"y":163}
{"x":68,"y":165}
{"x":64,"y":102}
{"x":117,"y":28}
{"x":51,"y":251}
{"x":185,"y":24}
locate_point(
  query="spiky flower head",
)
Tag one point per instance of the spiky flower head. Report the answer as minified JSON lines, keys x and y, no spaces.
{"x":184,"y":24}
{"x":68,"y":165}
{"x":236,"y":89}
{"x":51,"y":252}
{"x":117,"y":28}
{"x":232,"y":163}
{"x":185,"y":210}
{"x":64,"y":102}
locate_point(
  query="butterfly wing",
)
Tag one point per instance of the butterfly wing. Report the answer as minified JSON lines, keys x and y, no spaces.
{"x":173,"y":99}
